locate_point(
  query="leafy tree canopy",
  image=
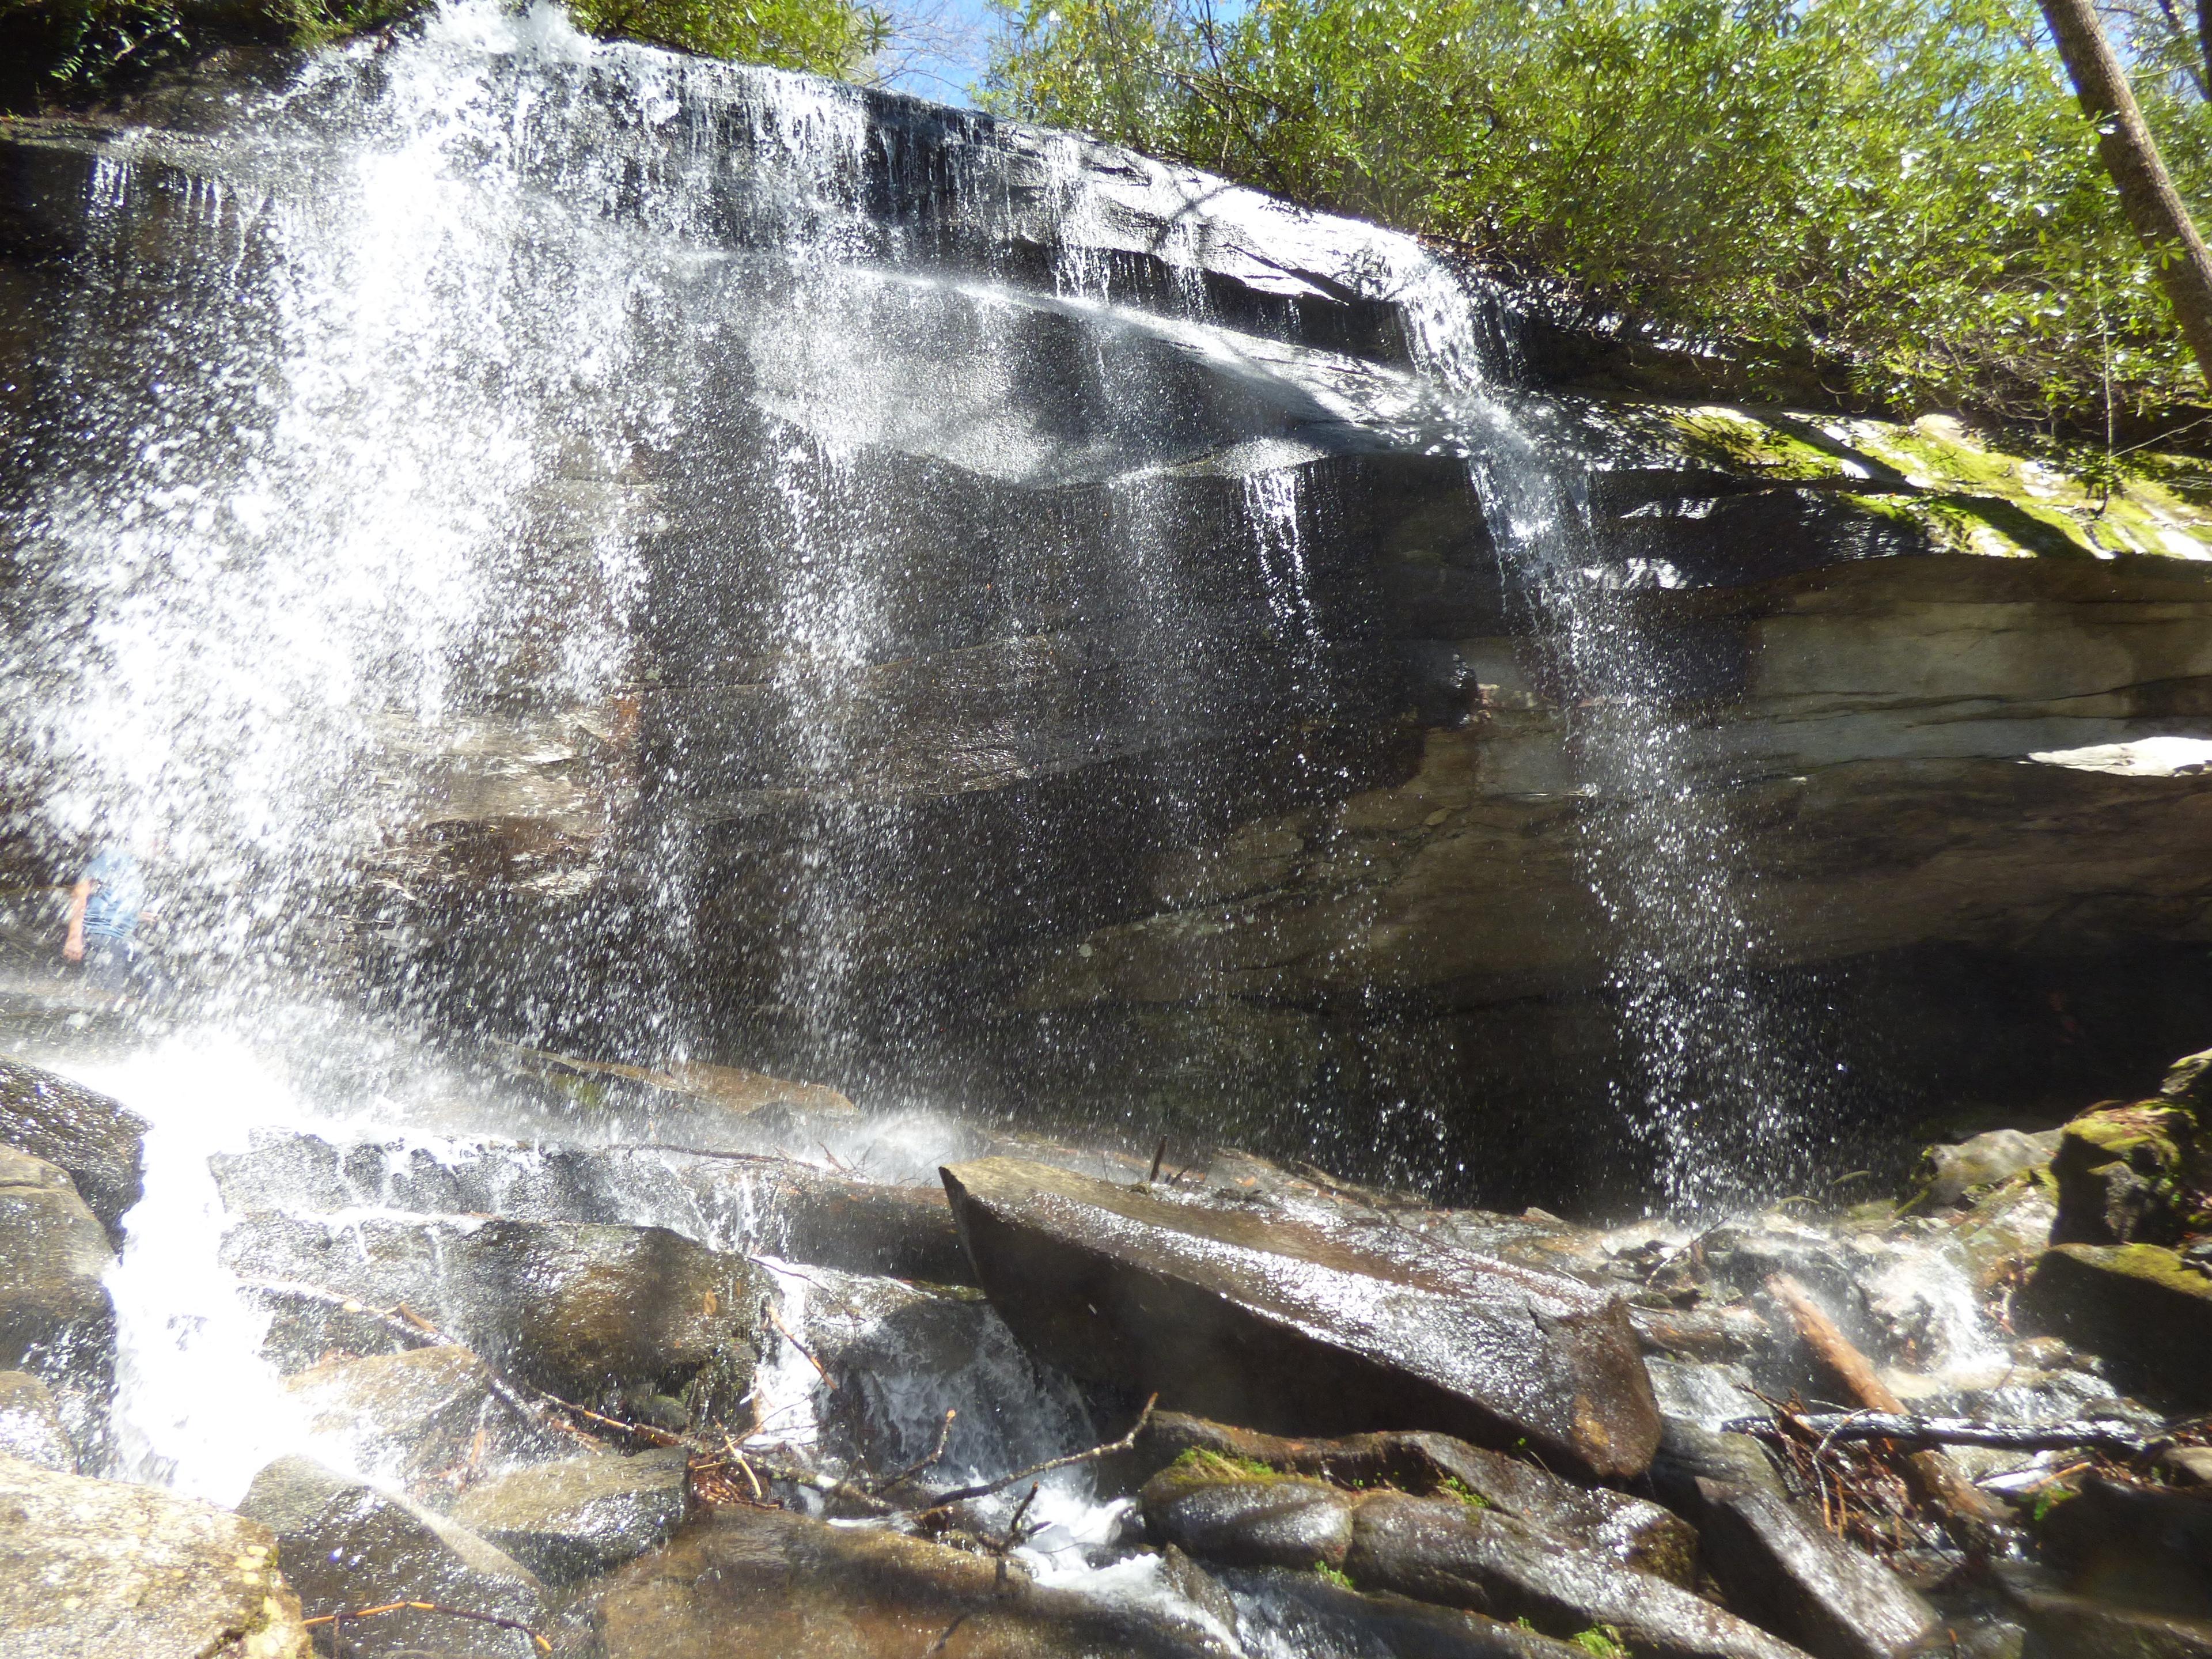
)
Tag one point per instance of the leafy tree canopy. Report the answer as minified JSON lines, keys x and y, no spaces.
{"x":1898,"y":196}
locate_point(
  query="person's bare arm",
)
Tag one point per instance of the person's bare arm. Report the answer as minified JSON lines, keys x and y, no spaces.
{"x":73,"y":946}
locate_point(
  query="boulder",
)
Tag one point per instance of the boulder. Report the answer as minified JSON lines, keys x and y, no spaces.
{"x":1953,"y":1173}
{"x":56,"y":1319}
{"x":584,"y":1310}
{"x":1635,"y":1532}
{"x":2128,"y":1173}
{"x":1691,"y":1451}
{"x":2188,"y":1081}
{"x":100,"y":1142}
{"x":577,"y":1516}
{"x":1304,"y":1612}
{"x":346,"y":1544}
{"x":409,"y":1415}
{"x":797,"y":1586}
{"x":2146,"y":1546}
{"x":30,"y":1425}
{"x":1296,"y":1329}
{"x":1794,"y":1577}
{"x":97,"y":1570}
{"x":2080,"y":1627}
{"x":1247,"y":1517}
{"x":767,"y":1205}
{"x":1442,"y":1551}
{"x":2139,"y":1305}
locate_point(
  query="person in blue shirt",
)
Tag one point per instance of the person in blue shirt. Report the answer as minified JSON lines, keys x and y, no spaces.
{"x":106,"y":907}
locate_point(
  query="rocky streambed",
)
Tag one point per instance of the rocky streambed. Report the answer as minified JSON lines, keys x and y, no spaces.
{"x":450,"y":1362}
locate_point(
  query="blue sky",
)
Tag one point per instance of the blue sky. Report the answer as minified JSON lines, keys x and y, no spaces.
{"x":944,"y":47}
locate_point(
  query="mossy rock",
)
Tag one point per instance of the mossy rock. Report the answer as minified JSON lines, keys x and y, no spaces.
{"x":2128,"y":1173}
{"x":2140,"y":1306}
{"x":1967,"y":489}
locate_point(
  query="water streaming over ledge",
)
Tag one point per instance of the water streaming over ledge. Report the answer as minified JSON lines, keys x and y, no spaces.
{"x":494,"y":369}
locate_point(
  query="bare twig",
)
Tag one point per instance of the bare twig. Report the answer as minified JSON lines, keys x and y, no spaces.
{"x":946,"y":1500}
{"x":335,"y":1619}
{"x":1907,"y":1430}
{"x":944,"y":1437}
{"x":768,"y":1313}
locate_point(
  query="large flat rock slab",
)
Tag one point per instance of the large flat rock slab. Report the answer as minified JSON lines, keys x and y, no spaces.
{"x":1289,"y":1327}
{"x":96,"y":1570}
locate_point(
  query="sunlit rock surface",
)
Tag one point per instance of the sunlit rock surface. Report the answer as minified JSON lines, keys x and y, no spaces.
{"x":1298,"y":1327}
{"x":90,"y":1568}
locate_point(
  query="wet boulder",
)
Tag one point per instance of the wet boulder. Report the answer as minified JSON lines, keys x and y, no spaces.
{"x":413,"y":1413}
{"x":1245,"y":1514}
{"x":2061,"y":1626}
{"x":1952,"y":1174}
{"x":100,"y":1142}
{"x":1304,"y":1612}
{"x":580,"y":1516}
{"x":2148,"y":1546}
{"x":2188,"y":1082}
{"x":1456,"y":1555}
{"x":1633,"y":1531}
{"x":588,"y":1311}
{"x":56,"y":1320}
{"x":1793,"y":1576}
{"x":1295,"y":1328}
{"x":1691,"y":1451}
{"x":2128,"y":1173}
{"x":346,"y":1544}
{"x":795,"y":1585}
{"x":2140,"y":1306}
{"x":30,"y":1425}
{"x":97,"y":1570}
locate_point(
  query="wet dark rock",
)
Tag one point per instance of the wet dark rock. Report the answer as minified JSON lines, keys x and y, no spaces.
{"x":98,"y":1570}
{"x":579,"y":1308}
{"x":2128,"y":1173}
{"x":1312,"y":1615}
{"x":581,"y":1515}
{"x":1690,"y":1451}
{"x":30,"y":1425}
{"x":1284,"y":1326}
{"x":2079,"y":1627}
{"x":412,"y":1413}
{"x":797,"y":1586}
{"x":1714,"y":1333}
{"x":1442,"y":1551}
{"x":1955,"y":1172}
{"x":2146,"y":1546}
{"x":98,"y":1140}
{"x":1248,"y":1519}
{"x":56,"y":1320}
{"x":1637,"y":1532}
{"x":345,"y":1544}
{"x":1195,"y":1584}
{"x":2138,"y":1305}
{"x":1792,"y":1576}
{"x":767,"y":1205}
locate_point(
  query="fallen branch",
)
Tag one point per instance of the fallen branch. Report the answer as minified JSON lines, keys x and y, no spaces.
{"x":1904,"y":1429}
{"x":770,"y":1316}
{"x":946,"y":1500}
{"x":1939,"y":1481}
{"x":336,"y":1619}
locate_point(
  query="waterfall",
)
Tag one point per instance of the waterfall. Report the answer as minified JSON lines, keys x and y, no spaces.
{"x":528,"y":454}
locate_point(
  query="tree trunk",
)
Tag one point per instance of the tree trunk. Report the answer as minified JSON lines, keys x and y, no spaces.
{"x":2154,"y":207}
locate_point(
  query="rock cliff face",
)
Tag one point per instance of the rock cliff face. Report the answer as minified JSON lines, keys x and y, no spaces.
{"x":1137,"y":716}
